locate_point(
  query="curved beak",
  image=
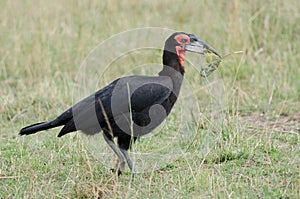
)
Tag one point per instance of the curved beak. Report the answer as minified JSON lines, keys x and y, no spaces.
{"x":198,"y":46}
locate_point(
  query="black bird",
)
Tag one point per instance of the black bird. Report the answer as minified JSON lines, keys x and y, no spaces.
{"x":130,"y":106}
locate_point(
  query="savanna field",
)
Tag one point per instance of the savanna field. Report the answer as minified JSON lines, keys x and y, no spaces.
{"x":244,"y":119}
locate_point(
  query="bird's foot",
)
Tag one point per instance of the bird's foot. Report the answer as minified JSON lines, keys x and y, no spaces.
{"x":116,"y":171}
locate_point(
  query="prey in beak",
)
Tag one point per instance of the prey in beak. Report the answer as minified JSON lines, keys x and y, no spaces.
{"x":213,"y":58}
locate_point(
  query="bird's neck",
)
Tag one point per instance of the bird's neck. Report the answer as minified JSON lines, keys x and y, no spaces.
{"x":173,"y":69}
{"x":171,"y":60}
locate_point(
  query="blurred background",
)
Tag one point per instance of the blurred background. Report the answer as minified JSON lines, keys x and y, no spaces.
{"x":254,"y":154}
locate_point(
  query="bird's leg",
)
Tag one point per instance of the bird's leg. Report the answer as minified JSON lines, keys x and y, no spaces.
{"x":129,"y":160}
{"x":120,"y":167}
{"x":117,"y":163}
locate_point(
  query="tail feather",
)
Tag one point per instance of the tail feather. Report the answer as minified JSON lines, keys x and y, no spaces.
{"x":34,"y":128}
{"x":64,"y":118}
{"x":68,"y":128}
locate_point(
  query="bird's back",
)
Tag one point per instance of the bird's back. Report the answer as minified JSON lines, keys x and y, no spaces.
{"x":128,"y":95}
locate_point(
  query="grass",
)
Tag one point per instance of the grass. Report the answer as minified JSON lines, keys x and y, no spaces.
{"x":245,"y":129}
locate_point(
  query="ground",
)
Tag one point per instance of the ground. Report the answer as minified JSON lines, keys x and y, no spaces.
{"x":244,"y":119}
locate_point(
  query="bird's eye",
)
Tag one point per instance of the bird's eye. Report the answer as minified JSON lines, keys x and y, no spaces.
{"x":183,"y":40}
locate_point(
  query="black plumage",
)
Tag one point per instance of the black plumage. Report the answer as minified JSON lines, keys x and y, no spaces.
{"x":131,"y":106}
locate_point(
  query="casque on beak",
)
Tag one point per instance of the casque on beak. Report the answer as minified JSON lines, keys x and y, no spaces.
{"x":198,"y":46}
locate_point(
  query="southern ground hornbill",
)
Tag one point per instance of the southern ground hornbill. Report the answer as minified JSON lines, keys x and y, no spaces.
{"x":130,"y":106}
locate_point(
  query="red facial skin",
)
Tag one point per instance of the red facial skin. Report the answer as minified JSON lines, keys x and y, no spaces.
{"x":181,"y":39}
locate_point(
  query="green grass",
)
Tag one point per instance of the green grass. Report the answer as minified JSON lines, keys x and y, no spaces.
{"x":245,"y":143}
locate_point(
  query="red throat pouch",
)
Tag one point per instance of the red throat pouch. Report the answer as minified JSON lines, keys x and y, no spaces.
{"x":181,"y":54}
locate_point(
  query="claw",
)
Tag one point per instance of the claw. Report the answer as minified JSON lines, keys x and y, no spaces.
{"x":118,"y":171}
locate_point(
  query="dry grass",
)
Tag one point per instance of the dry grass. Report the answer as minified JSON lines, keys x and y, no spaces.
{"x":247,"y":141}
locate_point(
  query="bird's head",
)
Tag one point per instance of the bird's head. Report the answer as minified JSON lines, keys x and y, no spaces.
{"x":180,"y":42}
